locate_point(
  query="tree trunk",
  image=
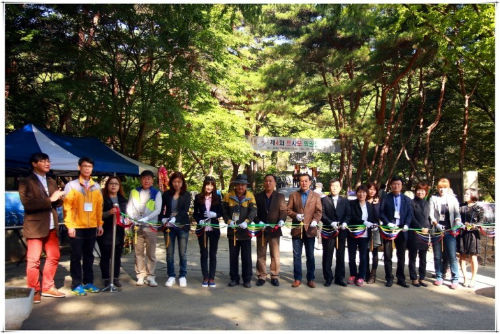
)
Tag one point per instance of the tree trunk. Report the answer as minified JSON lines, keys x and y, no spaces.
{"x":431,"y":127}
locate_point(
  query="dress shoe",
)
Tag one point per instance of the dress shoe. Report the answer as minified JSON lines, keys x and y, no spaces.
{"x":372,"y":277}
{"x":117,"y":283}
{"x":296,"y":284}
{"x":37,"y":298}
{"x":275,"y":282}
{"x":260,"y":282}
{"x":311,"y":284}
{"x":403,"y":284}
{"x":247,"y":284}
{"x":105,"y":282}
{"x":388,"y":284}
{"x":341,"y":283}
{"x":53,"y":292}
{"x":233,"y":283}
{"x":328,"y":283}
{"x":421,"y":283}
{"x":415,"y":283}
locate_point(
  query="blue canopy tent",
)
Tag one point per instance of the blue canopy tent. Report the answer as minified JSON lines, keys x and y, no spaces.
{"x":64,"y":152}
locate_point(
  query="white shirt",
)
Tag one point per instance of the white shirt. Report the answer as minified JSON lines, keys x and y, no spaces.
{"x":43,"y":180}
{"x":364,"y":217}
{"x":335,"y":199}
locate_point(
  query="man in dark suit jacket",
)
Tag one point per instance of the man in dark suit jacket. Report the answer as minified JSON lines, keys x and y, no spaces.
{"x":396,"y":211}
{"x":271,"y":209}
{"x":40,"y":197}
{"x":336,"y":212}
{"x":304,"y":207}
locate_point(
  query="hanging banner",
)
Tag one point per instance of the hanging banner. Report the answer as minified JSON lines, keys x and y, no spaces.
{"x":288,"y":144}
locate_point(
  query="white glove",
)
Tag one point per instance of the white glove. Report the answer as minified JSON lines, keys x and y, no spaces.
{"x":334,"y":224}
{"x":281,"y":223}
{"x":314,"y":223}
{"x":253,"y":223}
{"x":243,"y":225}
{"x":300,"y":217}
{"x":172,"y":220}
{"x":391,"y":225}
{"x":208,"y":228}
{"x":202,"y":222}
{"x":164,"y":220}
{"x":439,"y":227}
{"x":143,"y":220}
{"x":344,"y":226}
{"x":460,"y":224}
{"x":374,"y":228}
{"x":367,"y":223}
{"x":210,"y":214}
{"x":405,"y":228}
{"x":232,"y":224}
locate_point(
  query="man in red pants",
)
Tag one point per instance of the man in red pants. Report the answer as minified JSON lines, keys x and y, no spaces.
{"x":40,"y":197}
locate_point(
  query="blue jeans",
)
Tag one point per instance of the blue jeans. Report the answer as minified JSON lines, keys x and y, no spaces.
{"x":182,"y":237}
{"x":450,"y":246}
{"x":297,"y":258}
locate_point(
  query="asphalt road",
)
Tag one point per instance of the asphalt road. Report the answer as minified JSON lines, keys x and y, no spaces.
{"x":372,"y":307}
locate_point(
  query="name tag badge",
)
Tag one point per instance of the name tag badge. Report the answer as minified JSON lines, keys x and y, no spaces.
{"x":396,"y":215}
{"x":442,"y":217}
{"x":87,"y":207}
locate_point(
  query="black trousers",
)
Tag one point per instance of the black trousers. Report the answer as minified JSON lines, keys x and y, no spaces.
{"x":209,"y":252}
{"x":82,"y":246}
{"x":328,"y":250}
{"x":374,"y":260}
{"x":105,"y":262}
{"x":246,"y":259}
{"x":422,"y":263}
{"x":400,"y":253}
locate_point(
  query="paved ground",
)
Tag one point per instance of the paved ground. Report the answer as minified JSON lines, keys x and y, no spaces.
{"x":372,"y":307}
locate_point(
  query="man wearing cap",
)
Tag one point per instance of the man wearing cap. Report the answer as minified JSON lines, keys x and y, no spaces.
{"x":336,"y":215}
{"x":40,"y":197}
{"x":239,"y":209}
{"x":144,"y":205}
{"x":304,"y":207}
{"x":271,"y":209}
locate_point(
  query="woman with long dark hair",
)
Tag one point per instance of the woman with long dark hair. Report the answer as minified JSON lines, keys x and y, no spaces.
{"x":374,"y":199}
{"x":112,"y":194}
{"x":174,"y":214}
{"x":468,"y":240}
{"x":207,"y":211}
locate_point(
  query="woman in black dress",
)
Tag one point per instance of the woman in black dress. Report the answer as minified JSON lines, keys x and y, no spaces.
{"x":112,"y":193}
{"x":468,"y":240}
{"x":421,"y":220}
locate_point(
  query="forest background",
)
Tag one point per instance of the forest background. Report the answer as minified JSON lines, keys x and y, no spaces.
{"x":406,"y":89}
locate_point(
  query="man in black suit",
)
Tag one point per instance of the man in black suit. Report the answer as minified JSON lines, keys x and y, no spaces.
{"x":336,"y":214}
{"x":396,"y":211}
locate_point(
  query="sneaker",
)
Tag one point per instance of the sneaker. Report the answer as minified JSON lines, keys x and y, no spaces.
{"x":152,"y":282}
{"x":360,"y":282}
{"x":438,"y":282}
{"x":79,"y":291}
{"x":140,"y":281}
{"x":454,"y":285}
{"x":53,"y":292}
{"x":182,"y":282}
{"x":37,"y":298}
{"x":211,"y":284}
{"x":170,"y":282}
{"x":351,"y":280}
{"x":204,"y":284}
{"x":89,"y":287}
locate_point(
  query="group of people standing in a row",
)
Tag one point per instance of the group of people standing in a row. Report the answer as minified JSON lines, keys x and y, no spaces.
{"x":89,"y":215}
